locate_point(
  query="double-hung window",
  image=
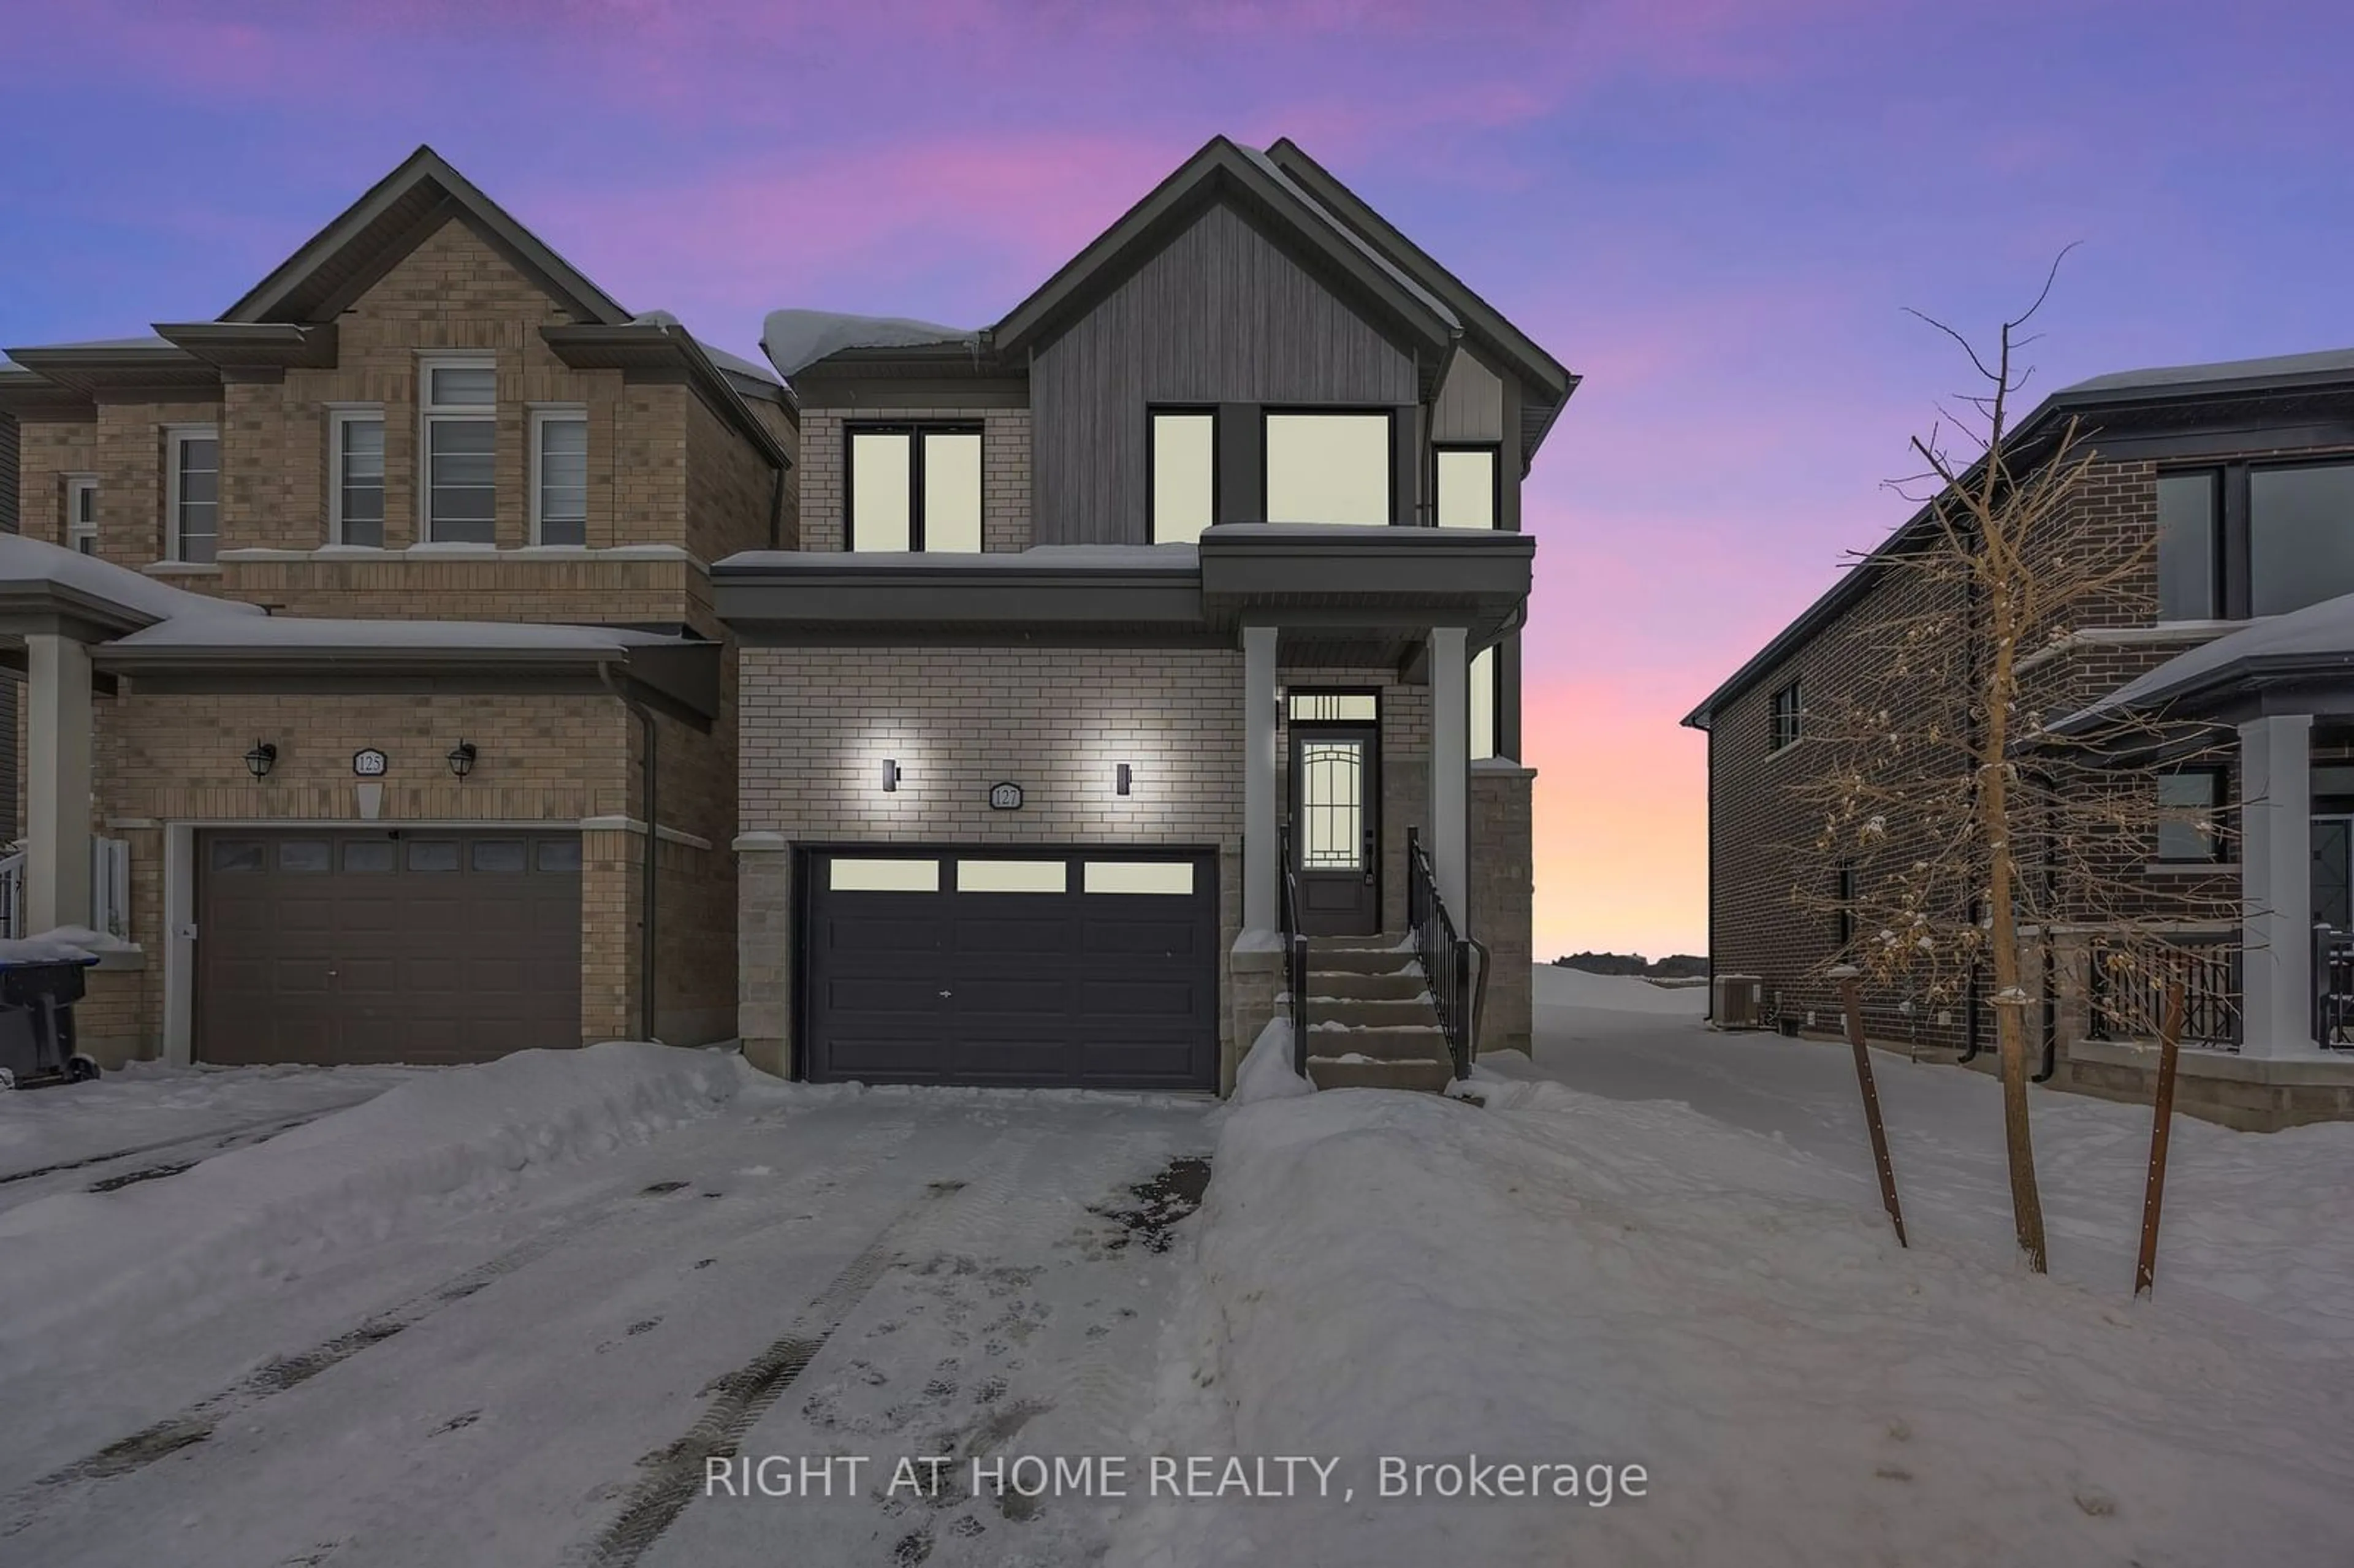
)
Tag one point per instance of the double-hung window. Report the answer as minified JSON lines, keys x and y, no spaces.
{"x":82,"y":513}
{"x":1330,"y":467}
{"x":460,"y":409}
{"x":1184,"y":457}
{"x":914,"y":488}
{"x":356,"y":478}
{"x":1788,"y":712}
{"x":560,"y":476}
{"x":191,"y":494}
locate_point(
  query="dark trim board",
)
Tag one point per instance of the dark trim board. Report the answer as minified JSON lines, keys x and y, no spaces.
{"x":1066,"y":988}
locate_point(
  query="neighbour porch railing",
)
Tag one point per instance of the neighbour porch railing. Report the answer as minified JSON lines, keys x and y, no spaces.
{"x":2129,"y":998}
{"x":109,"y":890}
{"x":2333,"y":988}
{"x":1295,"y":954}
{"x":12,"y":896}
{"x":1445,"y":956}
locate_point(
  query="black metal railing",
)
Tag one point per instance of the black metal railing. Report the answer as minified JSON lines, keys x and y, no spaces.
{"x":1445,"y":956}
{"x":1295,"y":954}
{"x":2333,"y":988}
{"x":2128,"y":991}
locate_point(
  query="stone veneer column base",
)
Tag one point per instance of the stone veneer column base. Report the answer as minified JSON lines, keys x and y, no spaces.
{"x":1254,"y":979}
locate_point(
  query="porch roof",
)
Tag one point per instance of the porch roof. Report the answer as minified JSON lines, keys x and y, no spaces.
{"x":46,"y":588}
{"x":2299,"y":662}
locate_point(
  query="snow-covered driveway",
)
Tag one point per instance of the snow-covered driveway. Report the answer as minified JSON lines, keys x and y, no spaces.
{"x":451,"y":1358}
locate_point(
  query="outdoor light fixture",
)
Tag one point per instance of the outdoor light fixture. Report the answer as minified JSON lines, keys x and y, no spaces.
{"x":890,"y":776}
{"x":261,"y":758}
{"x":462,"y":757}
{"x":1123,"y":777}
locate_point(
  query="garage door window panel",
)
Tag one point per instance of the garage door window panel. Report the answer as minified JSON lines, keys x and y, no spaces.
{"x":559,"y":854}
{"x":1012,"y":876}
{"x":846,"y":874}
{"x":432,"y":854}
{"x":504,"y":856}
{"x":306,"y":855}
{"x":237,"y":856}
{"x":369,"y":856}
{"x":1158,"y":878}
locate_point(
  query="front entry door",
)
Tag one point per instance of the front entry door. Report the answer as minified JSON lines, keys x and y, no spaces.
{"x":1336,"y":827}
{"x":2333,"y":872}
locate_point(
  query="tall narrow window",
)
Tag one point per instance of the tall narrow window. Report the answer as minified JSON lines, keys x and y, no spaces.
{"x":355,"y":488}
{"x":82,"y":513}
{"x":2190,"y":806}
{"x":1843,"y":911}
{"x":1482,"y":725}
{"x":915,"y":489}
{"x":559,"y":477}
{"x":191,"y":498}
{"x":1466,"y":484}
{"x":1787,"y":714}
{"x":2189,"y":545}
{"x":1329,"y":468}
{"x":460,"y":402}
{"x":1184,"y":461}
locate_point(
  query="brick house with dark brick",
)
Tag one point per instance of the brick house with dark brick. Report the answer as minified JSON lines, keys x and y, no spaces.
{"x":2236,"y":483}
{"x":1171,"y":617}
{"x":377,"y":704}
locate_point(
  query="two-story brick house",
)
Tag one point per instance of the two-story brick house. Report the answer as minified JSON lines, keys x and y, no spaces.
{"x":2232,"y":485}
{"x":375,"y":692}
{"x":1133,"y":632}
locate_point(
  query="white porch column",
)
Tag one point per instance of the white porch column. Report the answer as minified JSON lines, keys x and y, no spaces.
{"x":2276,"y":884}
{"x":1261,"y":871}
{"x":58,"y":781}
{"x":1450,"y":771}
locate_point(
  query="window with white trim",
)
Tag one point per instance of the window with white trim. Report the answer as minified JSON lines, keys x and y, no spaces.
{"x":191,"y":494}
{"x":81,"y":513}
{"x":1329,"y":467}
{"x":355,"y":476}
{"x":914,"y":488}
{"x":560,"y":476}
{"x":459,"y":404}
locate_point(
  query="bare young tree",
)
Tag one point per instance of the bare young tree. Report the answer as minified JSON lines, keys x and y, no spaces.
{"x":1948,"y":827}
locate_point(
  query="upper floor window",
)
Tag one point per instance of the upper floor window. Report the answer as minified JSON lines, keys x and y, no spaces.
{"x":1330,"y":467}
{"x":458,"y":406}
{"x":2189,"y":545}
{"x":914,"y":488}
{"x":2300,"y":536}
{"x":82,"y":513}
{"x":1465,"y":485}
{"x":1788,"y":711}
{"x":191,"y":494}
{"x":1183,"y":456}
{"x":356,"y":484}
{"x":560,"y":476}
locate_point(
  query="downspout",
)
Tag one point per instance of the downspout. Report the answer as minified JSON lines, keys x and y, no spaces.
{"x":646,"y":972}
{"x":777,"y":511}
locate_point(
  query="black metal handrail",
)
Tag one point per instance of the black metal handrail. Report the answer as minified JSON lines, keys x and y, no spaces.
{"x":1445,"y":956}
{"x":2129,"y":994}
{"x":2333,"y":988}
{"x":1295,"y":953}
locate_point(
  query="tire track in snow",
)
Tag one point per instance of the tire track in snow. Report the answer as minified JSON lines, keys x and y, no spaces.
{"x":740,"y":1398}
{"x":222,"y":1140}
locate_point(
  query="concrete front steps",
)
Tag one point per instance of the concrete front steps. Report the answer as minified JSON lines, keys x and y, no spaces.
{"x":1370,"y":1024}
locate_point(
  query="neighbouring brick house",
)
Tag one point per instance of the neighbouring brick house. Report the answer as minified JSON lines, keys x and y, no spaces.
{"x":377,"y":703}
{"x":1134,"y":633}
{"x":2236,"y":483}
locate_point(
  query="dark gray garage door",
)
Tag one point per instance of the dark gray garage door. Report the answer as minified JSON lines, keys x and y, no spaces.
{"x":1094,"y":968}
{"x":426,"y":945}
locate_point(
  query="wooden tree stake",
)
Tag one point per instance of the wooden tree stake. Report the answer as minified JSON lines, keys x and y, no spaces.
{"x":2170,"y":1051}
{"x":1850,"y":996}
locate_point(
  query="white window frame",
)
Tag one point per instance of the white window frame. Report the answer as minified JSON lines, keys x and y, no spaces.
{"x":338,"y":416}
{"x":544,"y":414}
{"x":76,"y":486}
{"x":176,"y":437}
{"x":430,"y":413}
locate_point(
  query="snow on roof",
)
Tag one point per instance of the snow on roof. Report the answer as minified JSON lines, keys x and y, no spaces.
{"x":2321,"y":363}
{"x":795,"y":339}
{"x":272,"y":632}
{"x":24,"y":560}
{"x":145,"y":340}
{"x":719,"y":357}
{"x":1047,"y":557}
{"x":2320,"y":633}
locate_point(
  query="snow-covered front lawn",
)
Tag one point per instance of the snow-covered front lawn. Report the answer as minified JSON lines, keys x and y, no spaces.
{"x":1563,"y":1277}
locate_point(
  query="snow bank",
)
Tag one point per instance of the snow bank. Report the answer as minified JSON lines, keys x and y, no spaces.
{"x":1266,"y":1073}
{"x":82,"y":1260}
{"x":1559,"y":987}
{"x":1580,"y":1280}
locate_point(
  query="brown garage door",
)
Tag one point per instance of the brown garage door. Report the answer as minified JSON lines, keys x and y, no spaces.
{"x":410,"y":944}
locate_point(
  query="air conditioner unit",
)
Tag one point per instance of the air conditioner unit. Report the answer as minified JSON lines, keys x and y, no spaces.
{"x":1739,"y":1002}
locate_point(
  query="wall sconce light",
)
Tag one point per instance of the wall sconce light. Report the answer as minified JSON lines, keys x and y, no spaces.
{"x":890,"y":776}
{"x":1123,"y":777}
{"x":261,"y":758}
{"x":462,"y":757}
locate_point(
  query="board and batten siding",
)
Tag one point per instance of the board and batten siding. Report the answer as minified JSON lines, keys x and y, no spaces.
{"x":1222,"y":314}
{"x":10,"y":477}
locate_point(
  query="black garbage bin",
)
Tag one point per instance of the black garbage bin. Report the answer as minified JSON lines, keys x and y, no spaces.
{"x":36,"y":1036}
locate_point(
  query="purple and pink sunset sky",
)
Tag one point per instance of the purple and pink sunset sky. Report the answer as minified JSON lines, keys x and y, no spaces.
{"x":1715,"y":210}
